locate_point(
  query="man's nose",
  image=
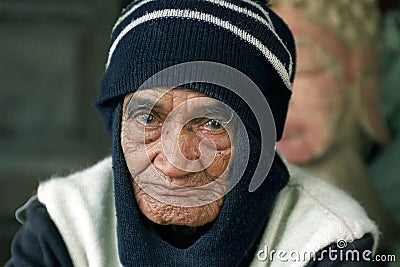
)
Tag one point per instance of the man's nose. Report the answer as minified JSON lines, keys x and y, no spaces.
{"x":179,"y":154}
{"x":168,"y":168}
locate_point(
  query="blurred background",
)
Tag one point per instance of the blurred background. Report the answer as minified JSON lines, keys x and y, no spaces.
{"x":52,"y":56}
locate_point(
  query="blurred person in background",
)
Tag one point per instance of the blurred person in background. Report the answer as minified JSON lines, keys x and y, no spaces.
{"x":334,"y":118}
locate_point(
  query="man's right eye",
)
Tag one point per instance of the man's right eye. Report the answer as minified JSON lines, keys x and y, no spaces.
{"x":147,"y":119}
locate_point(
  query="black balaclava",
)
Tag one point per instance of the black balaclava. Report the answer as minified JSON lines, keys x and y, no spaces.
{"x":151,"y":36}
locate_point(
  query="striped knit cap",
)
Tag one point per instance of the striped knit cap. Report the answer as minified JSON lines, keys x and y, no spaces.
{"x":151,"y":35}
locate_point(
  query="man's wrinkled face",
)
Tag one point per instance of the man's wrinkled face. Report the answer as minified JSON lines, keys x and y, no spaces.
{"x":176,"y":143}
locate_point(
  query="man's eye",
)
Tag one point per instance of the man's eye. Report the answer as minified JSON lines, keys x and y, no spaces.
{"x":213,"y":125}
{"x":146,"y":119}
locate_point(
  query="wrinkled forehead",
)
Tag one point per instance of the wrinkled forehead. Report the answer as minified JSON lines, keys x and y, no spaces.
{"x":168,"y":97}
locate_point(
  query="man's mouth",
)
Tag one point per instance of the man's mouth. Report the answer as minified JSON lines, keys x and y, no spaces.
{"x":180,"y":196}
{"x":169,"y":189}
{"x":190,"y":192}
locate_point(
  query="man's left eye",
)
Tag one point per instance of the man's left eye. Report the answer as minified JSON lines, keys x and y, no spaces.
{"x":213,"y":125}
{"x":146,"y":119}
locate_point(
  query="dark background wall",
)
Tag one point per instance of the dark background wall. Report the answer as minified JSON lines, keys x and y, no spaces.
{"x":52,"y":56}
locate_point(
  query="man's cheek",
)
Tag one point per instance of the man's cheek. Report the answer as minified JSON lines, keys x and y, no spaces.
{"x":220,"y":163}
{"x":136,"y":157}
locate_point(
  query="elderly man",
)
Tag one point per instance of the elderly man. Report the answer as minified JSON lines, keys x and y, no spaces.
{"x":194,"y":95}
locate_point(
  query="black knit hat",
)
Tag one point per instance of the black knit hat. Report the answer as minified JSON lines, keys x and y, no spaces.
{"x":246,"y":35}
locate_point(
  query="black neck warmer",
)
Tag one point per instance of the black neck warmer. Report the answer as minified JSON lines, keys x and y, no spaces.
{"x":232,"y":238}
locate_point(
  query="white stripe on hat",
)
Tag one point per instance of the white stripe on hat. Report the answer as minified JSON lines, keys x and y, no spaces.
{"x":217,"y":2}
{"x":233,"y":7}
{"x":266,"y":14}
{"x":249,"y":13}
{"x":178,"y":13}
{"x":133,"y":8}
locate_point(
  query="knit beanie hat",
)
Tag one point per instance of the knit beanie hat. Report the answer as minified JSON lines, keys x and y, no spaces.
{"x":246,"y":35}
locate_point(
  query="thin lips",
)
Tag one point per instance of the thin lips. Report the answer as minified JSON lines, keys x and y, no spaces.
{"x":165,"y":187}
{"x":163,"y":190}
{"x":172,"y":187}
{"x":174,"y":190}
{"x":168,"y":185}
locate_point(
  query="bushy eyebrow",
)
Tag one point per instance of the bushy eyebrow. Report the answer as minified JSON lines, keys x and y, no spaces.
{"x":136,"y":103}
{"x":220,"y":109}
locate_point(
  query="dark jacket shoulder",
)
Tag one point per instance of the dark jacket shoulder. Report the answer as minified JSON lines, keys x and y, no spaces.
{"x":38,"y":242}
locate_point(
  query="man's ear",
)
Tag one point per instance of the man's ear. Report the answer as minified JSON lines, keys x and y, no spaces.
{"x":364,"y":72}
